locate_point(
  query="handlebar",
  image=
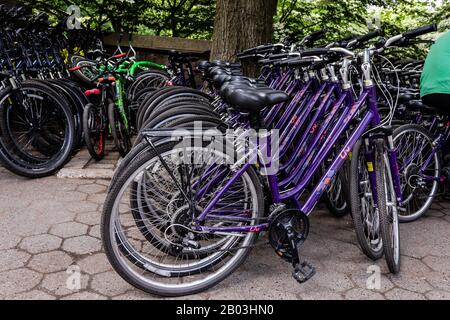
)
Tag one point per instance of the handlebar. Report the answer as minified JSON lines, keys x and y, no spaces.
{"x":75,"y":68}
{"x":283,"y":55}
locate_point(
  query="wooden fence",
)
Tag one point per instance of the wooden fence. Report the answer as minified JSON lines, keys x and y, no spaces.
{"x":157,"y":48}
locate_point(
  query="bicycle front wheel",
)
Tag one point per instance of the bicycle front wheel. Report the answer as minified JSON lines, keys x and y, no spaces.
{"x":387,"y":208}
{"x":365,"y":214}
{"x":94,"y":129}
{"x":37,"y":130}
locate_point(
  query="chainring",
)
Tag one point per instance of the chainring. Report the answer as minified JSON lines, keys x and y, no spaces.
{"x":278,"y":236}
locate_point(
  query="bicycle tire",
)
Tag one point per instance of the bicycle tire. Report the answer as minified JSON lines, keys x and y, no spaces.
{"x":389,"y":223}
{"x":18,"y":163}
{"x":96,"y":146}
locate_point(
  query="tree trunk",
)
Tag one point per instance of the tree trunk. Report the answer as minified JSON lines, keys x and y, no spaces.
{"x":241,"y":24}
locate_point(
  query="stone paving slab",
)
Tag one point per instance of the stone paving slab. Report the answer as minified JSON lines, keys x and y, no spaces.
{"x":82,"y":166}
{"x":49,"y":229}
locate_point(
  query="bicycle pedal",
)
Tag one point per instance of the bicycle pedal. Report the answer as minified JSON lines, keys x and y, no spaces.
{"x":303,"y":272}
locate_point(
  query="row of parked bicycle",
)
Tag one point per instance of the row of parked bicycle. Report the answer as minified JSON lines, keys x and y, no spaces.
{"x":119,"y":84}
{"x":60,"y":90}
{"x":180,"y":217}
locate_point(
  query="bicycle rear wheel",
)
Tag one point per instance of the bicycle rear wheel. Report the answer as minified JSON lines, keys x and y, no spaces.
{"x":415,"y":147}
{"x":149,"y":251}
{"x":148,"y":79}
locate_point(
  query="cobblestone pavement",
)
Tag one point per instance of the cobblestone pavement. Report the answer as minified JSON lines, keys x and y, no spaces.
{"x":50,"y":227}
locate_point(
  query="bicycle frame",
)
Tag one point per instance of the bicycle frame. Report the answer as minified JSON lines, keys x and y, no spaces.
{"x":279,"y":195}
{"x":132,"y":67}
{"x":119,"y":100}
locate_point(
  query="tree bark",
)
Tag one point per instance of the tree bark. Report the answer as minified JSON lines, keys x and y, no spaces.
{"x":241,"y":24}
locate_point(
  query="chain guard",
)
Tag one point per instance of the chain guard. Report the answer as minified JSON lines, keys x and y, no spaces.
{"x":279,"y":225}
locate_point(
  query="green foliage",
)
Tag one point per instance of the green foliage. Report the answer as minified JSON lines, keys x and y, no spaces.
{"x":117,"y":15}
{"x":442,"y":14}
{"x":195,"y":18}
{"x":345,"y":17}
{"x":342,"y":18}
{"x":179,"y":18}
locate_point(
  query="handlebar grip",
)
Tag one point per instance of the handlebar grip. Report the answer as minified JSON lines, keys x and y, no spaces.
{"x":316,"y":35}
{"x":265,"y":61}
{"x":246,"y":52}
{"x":420,"y":31}
{"x":120,"y":55}
{"x":314,"y":52}
{"x":294,"y":35}
{"x":74,"y":68}
{"x":265,"y":48}
{"x":295,"y":62}
{"x":369,"y":36}
{"x":281,"y":63}
{"x":247,"y":56}
{"x":278,"y":56}
{"x":300,"y":62}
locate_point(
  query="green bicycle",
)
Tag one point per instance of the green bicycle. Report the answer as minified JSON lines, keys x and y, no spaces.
{"x":107,"y":110}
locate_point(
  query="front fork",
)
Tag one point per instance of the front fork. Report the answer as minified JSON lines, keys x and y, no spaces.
{"x":119,"y":102}
{"x":393,"y":163}
{"x":369,"y":155}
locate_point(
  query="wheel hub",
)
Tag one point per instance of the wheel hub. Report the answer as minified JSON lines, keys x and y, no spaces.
{"x":182,"y":221}
{"x":412,"y":175}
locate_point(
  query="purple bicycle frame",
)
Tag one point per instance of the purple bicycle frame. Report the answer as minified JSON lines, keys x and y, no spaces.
{"x":370,"y":118}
